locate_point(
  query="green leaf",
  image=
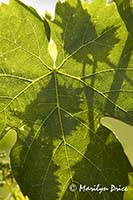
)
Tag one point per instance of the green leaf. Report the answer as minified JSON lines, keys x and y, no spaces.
{"x":56,"y":111}
{"x":123,"y":132}
{"x":36,"y":14}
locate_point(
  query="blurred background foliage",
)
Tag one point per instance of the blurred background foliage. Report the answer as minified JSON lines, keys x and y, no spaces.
{"x":9,"y":190}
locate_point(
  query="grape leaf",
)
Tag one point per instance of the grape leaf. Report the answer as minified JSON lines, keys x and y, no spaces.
{"x":56,"y":108}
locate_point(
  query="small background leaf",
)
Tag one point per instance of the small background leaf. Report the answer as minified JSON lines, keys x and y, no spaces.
{"x":123,"y":132}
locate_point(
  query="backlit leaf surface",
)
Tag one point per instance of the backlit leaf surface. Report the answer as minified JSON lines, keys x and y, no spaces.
{"x":56,"y":107}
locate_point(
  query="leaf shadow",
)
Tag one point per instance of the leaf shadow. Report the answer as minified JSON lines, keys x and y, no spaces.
{"x":118,"y":81}
{"x":92,"y":48}
{"x":36,"y":171}
{"x":104,"y":163}
{"x":104,"y":151}
{"x":43,"y":122}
